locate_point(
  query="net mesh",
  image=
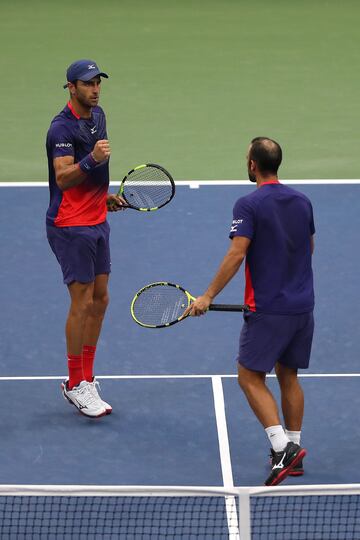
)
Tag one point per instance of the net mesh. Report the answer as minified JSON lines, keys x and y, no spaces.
{"x":160,"y":305}
{"x":147,"y":188}
{"x":198,"y":516}
{"x":309,"y":517}
{"x":105,"y":518}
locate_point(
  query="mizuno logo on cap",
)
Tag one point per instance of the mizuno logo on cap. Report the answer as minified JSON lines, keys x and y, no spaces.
{"x":91,"y":66}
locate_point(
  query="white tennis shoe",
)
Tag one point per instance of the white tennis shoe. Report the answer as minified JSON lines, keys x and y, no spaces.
{"x":95,"y":392}
{"x":84,"y":399}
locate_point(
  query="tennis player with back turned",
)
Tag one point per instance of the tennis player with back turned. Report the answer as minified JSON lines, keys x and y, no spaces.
{"x":273,"y":229}
{"x":78,"y":154}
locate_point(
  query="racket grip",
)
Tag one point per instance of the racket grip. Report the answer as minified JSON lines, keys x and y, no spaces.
{"x":228,"y":307}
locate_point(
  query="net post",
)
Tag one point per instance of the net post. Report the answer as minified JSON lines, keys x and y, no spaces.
{"x":244,"y":514}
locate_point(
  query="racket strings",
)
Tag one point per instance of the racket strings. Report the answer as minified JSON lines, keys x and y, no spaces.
{"x":148,"y":187}
{"x":160,"y":305}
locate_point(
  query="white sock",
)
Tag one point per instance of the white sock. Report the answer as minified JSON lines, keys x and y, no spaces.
{"x":277,"y":437}
{"x":293,"y":436}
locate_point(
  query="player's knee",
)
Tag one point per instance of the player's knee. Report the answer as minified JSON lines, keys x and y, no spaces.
{"x":248,"y":379}
{"x":243,"y":383}
{"x":286,"y":377}
{"x":103,"y":301}
{"x":82,"y":308}
{"x":100,"y":304}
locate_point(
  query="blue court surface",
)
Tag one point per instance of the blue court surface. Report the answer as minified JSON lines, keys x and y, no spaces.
{"x":173,"y":391}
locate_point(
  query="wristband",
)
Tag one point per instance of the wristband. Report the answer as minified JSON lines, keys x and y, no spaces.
{"x":88,"y":163}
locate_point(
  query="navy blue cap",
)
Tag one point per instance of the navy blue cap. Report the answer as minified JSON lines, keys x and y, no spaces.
{"x":83,"y":70}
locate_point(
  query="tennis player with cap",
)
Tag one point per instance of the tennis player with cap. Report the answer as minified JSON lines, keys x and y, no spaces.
{"x":273,"y":230}
{"x":78,"y":154}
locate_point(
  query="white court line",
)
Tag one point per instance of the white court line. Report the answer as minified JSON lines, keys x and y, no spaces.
{"x":222,"y":431}
{"x":169,"y":376}
{"x":195,"y":184}
{"x":198,"y":183}
{"x":225,"y":458}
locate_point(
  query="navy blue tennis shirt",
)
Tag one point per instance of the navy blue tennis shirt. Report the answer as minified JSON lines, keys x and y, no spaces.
{"x":71,"y":135}
{"x":279,"y":222}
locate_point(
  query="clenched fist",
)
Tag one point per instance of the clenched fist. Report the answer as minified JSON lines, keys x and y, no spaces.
{"x":101,"y":151}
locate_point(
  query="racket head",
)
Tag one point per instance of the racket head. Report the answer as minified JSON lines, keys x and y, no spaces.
{"x":160,"y":304}
{"x":147,"y":187}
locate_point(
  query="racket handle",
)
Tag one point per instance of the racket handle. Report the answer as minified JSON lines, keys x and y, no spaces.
{"x":228,"y":307}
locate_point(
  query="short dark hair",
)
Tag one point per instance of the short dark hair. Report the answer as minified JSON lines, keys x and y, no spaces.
{"x":266,"y":153}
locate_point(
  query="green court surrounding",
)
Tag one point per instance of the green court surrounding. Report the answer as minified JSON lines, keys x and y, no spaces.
{"x":192,"y":81}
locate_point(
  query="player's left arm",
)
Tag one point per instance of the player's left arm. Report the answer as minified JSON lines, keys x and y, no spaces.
{"x":227,"y":270}
{"x":114,"y":203}
{"x":312,"y":244}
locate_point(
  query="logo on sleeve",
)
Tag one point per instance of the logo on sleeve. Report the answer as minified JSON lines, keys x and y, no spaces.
{"x":235,"y":224}
{"x":63,"y":145}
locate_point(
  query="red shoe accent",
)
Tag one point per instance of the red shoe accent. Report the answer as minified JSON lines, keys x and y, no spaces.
{"x":299,"y":472}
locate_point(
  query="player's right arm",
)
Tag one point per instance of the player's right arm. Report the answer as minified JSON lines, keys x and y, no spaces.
{"x":227,"y":270}
{"x":69,"y":174}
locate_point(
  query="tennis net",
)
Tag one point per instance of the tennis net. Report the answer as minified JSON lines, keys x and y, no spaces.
{"x":142,"y":513}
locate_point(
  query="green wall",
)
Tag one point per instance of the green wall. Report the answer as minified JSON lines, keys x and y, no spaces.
{"x":191,"y":82}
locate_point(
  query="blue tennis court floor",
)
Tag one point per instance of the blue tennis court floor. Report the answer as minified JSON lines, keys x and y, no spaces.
{"x":173,"y":391}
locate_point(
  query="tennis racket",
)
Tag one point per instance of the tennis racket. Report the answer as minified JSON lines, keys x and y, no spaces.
{"x":147,"y":187}
{"x":162,"y":304}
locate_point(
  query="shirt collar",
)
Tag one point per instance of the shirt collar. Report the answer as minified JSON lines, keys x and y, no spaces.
{"x":270,"y":182}
{"x":77,"y":116}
